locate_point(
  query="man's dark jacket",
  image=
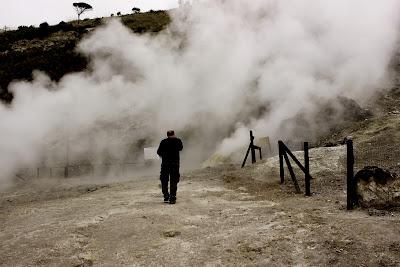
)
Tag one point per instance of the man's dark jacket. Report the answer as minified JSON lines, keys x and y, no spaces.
{"x":169,"y":150}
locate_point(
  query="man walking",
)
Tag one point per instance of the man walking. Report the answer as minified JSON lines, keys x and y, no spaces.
{"x":169,"y":152}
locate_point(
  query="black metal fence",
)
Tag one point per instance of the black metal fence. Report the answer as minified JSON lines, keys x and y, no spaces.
{"x":252,"y":148}
{"x":284,"y":153}
{"x":374,"y":153}
{"x":351,"y":185}
{"x":74,"y":170}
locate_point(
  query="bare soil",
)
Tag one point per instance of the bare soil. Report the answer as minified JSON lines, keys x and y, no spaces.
{"x":224,"y":216}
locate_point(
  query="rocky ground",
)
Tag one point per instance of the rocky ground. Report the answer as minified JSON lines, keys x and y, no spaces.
{"x":225,"y":216}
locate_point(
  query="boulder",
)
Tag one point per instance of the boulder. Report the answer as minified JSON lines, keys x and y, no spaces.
{"x":377,"y":188}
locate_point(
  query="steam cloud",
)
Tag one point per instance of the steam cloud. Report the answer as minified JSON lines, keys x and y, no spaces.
{"x":221,"y":68}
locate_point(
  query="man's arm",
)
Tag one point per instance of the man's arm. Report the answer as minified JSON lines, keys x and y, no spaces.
{"x":160,"y":149}
{"x":180,"y":145}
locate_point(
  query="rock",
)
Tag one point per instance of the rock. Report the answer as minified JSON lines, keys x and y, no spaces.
{"x":379,"y":175}
{"x":171,"y":233}
{"x":85,"y":260}
{"x":377,"y":188}
{"x":375,"y":212}
{"x":216,"y":160}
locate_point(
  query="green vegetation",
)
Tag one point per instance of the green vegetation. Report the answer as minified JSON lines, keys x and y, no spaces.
{"x":52,"y":48}
{"x":153,"y":21}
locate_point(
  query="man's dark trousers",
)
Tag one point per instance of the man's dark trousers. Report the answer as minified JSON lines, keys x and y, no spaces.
{"x":169,"y":172}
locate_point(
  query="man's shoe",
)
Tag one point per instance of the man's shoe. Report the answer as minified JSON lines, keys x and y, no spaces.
{"x":166,"y":199}
{"x":172,"y":201}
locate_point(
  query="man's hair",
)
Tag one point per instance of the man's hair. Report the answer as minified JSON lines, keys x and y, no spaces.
{"x":170,"y":133}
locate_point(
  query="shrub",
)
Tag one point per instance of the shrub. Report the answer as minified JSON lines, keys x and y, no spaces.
{"x":63,"y":26}
{"x":97,"y":21}
{"x":44,"y":25}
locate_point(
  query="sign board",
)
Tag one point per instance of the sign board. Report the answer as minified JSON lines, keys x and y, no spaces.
{"x":150,"y":153}
{"x":264,"y":143}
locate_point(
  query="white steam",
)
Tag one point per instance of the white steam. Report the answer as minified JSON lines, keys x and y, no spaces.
{"x":221,"y":68}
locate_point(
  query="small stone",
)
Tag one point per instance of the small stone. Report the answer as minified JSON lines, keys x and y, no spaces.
{"x":171,"y":234}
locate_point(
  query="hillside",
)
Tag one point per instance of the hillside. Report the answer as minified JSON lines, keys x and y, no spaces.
{"x":225,"y":215}
{"x":52,"y":48}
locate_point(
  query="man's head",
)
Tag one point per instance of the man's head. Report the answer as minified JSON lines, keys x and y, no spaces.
{"x":171,"y":134}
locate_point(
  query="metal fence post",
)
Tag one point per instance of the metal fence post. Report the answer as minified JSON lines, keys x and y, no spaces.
{"x":350,"y":174}
{"x":307,"y":172}
{"x":292,"y":174}
{"x":253,"y":151}
{"x":281,"y":169}
{"x":245,"y":158}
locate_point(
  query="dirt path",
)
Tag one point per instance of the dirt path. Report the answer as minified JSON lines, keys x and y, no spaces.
{"x":215,"y":222}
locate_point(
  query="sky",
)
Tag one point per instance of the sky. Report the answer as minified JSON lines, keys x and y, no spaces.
{"x":25,"y":12}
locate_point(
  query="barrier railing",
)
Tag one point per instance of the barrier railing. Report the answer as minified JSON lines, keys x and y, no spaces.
{"x":284,"y":153}
{"x":252,"y":148}
{"x":351,"y":186}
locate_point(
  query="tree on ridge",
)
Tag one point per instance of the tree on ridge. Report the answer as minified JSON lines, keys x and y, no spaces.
{"x":81,"y":7}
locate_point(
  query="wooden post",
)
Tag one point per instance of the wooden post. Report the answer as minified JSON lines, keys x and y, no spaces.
{"x":253,"y":152}
{"x":286,"y":150}
{"x":281,"y":169}
{"x":292,"y":174}
{"x":350,"y":174}
{"x":245,"y":158}
{"x":307,"y":172}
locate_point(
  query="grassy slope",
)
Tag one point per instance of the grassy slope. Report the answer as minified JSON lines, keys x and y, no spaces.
{"x":51,"y":49}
